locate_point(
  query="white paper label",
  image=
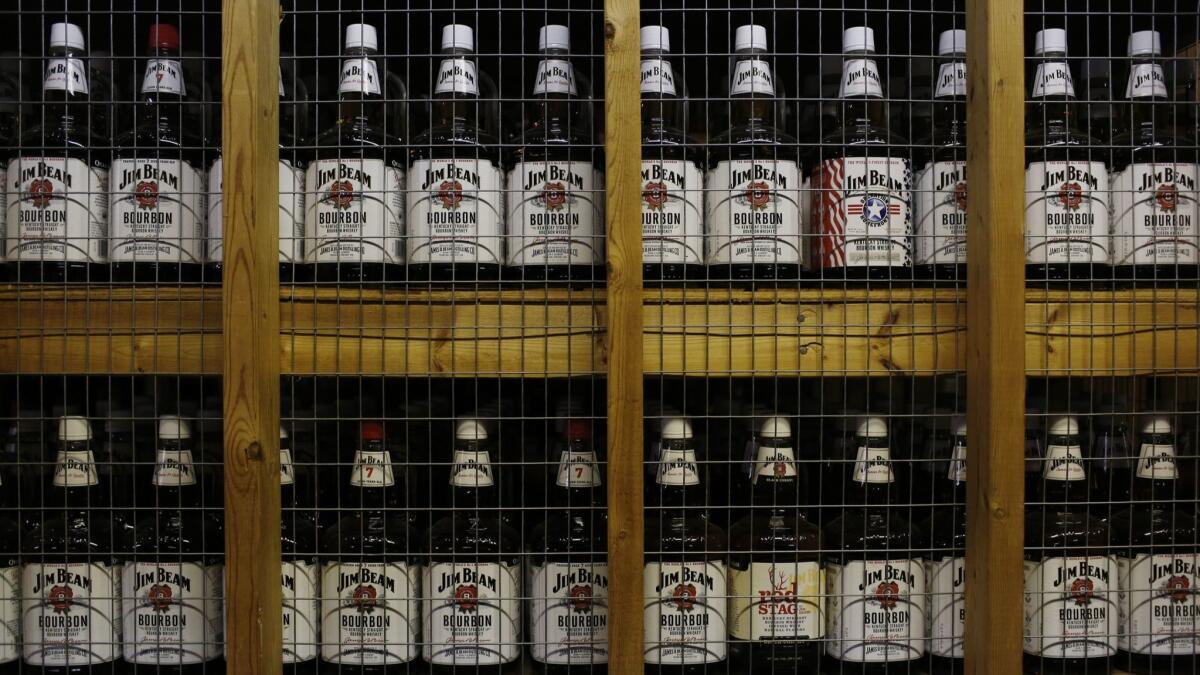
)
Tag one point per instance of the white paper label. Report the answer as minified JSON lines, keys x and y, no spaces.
{"x":678,"y":467}
{"x":752,"y":76}
{"x":287,"y":474}
{"x":1066,"y":212}
{"x":1053,"y":79}
{"x":941,"y":212}
{"x":1159,"y":613}
{"x":658,"y":78}
{"x":556,"y":214}
{"x":946,"y":606}
{"x":1156,"y":214}
{"x":75,"y":468}
{"x":372,"y":468}
{"x":69,"y":75}
{"x":774,"y":462}
{"x":360,"y":76}
{"x":754,"y":212}
{"x":860,"y":77}
{"x":672,"y":212}
{"x":873,"y":465}
{"x":777,"y":601}
{"x":354,"y":211}
{"x":291,"y":213}
{"x":577,"y":469}
{"x":958,"y":461}
{"x":876,"y":610}
{"x":471,"y":469}
{"x":172,"y":612}
{"x":57,"y":210}
{"x":10,"y":614}
{"x":1070,"y":611}
{"x":301,"y":611}
{"x":1064,"y":462}
{"x":473,"y":612}
{"x":455,"y":211}
{"x":685,"y":612}
{"x":1157,"y":462}
{"x":163,"y":76}
{"x":569,"y":623}
{"x":554,"y":76}
{"x":1146,"y":80}
{"x":157,"y":211}
{"x":370,"y":613}
{"x":71,"y":614}
{"x":456,"y":76}
{"x":862,"y":212}
{"x":951,"y":80}
{"x":173,"y":468}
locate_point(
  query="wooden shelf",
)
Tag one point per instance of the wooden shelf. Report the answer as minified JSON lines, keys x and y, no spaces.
{"x":560,"y":332}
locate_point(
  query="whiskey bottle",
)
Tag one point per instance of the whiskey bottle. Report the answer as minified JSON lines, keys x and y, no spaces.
{"x":455,"y":183}
{"x":370,"y":570}
{"x":172,"y":581}
{"x":940,"y":201}
{"x":354,"y":188}
{"x":10,"y":583}
{"x":1156,"y":543}
{"x":1112,"y":461}
{"x":70,"y":578}
{"x":159,"y":193}
{"x":1066,"y":179}
{"x":568,"y":573}
{"x":299,"y":573}
{"x":556,"y":178}
{"x":1156,"y":215}
{"x":684,"y":579}
{"x":754,"y":183}
{"x":472,"y":601}
{"x":672,"y":178}
{"x":874,"y":569}
{"x":862,"y":213}
{"x":776,"y":583}
{"x":1071,"y":580}
{"x":57,"y":179}
{"x":945,"y":570}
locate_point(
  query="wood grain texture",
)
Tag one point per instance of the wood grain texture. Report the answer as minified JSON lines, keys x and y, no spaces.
{"x":995,"y":339}
{"x":624,"y":226}
{"x":250,"y":116}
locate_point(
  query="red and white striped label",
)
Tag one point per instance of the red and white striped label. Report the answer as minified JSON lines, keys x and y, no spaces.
{"x":862,"y":212}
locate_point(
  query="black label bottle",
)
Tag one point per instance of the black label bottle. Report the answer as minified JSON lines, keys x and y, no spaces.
{"x":455,"y":183}
{"x":57,"y":179}
{"x":672,"y":177}
{"x":1071,"y":580}
{"x":754,"y":185}
{"x":354,"y":201}
{"x":556,"y":180}
{"x":776,"y":582}
{"x":945,"y":569}
{"x":1156,"y":212}
{"x":159,"y":194}
{"x":1066,"y":179}
{"x":940,"y":200}
{"x":299,"y":574}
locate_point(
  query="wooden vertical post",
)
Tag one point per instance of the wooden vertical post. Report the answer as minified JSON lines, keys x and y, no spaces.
{"x":995,"y":335}
{"x":624,"y":226}
{"x":250,"y":117}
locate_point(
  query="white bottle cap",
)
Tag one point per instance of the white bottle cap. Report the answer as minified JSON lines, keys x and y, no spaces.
{"x":656,"y":37}
{"x":960,"y":426}
{"x":458,"y":36}
{"x":858,"y":39}
{"x":172,"y":427}
{"x":1064,"y":426}
{"x":74,"y":428}
{"x":676,"y":428}
{"x":775,"y":427}
{"x":1145,"y":43}
{"x":750,"y":37}
{"x":554,"y":36}
{"x":872,"y":427}
{"x":361,"y":36}
{"x":952,"y":42}
{"x":1051,"y":40}
{"x":1157,"y":424}
{"x":66,"y":35}
{"x":471,"y":430}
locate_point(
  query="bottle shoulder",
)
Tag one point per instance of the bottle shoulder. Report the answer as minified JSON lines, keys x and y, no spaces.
{"x":367,"y":532}
{"x":459,"y":533}
{"x":767,"y":531}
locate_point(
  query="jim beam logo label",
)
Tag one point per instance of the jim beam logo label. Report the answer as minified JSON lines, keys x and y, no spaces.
{"x":174,"y":468}
{"x":1053,"y":78}
{"x":471,"y":469}
{"x":1070,"y":607}
{"x":862,"y":212}
{"x":940,"y":204}
{"x":291,"y":212}
{"x":172,"y":612}
{"x":372,"y":469}
{"x":677,"y":467}
{"x":354,"y":211}
{"x":287,"y":473}
{"x":10,"y":613}
{"x":75,"y":468}
{"x":577,"y":469}
{"x":752,"y":76}
{"x":873,"y":465}
{"x":1157,"y":462}
{"x":69,"y":75}
{"x":877,"y":610}
{"x":372,"y":609}
{"x":658,"y":78}
{"x":1066,"y":212}
{"x":1146,"y":80}
{"x":1156,"y":214}
{"x":301,"y":610}
{"x":774,"y":463}
{"x":1064,"y":463}
{"x":570,"y":613}
{"x":455,"y":212}
{"x":554,"y":76}
{"x":946,"y":606}
{"x":860,"y":78}
{"x":555,"y":214}
{"x":57,"y":210}
{"x":360,"y":76}
{"x":951,"y":80}
{"x":457,"y":76}
{"x":1158,"y":606}
{"x":685,"y":612}
{"x":472,"y":613}
{"x":672,"y":212}
{"x":157,"y":211}
{"x":163,"y":76}
{"x":70,"y":614}
{"x":777,"y":601}
{"x":754,"y":212}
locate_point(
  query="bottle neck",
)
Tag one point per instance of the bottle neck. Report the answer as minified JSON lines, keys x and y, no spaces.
{"x":75,"y":473}
{"x":950,"y":102}
{"x":678,"y":477}
{"x":456,"y":90}
{"x":1064,"y":476}
{"x":472,"y":476}
{"x":751,"y":90}
{"x":163,"y":80}
{"x":1156,"y":476}
{"x":873,"y":474}
{"x":360,"y":90}
{"x":578,"y":483}
{"x":175,"y":480}
{"x":775,"y":478}
{"x":1148,"y":116}
{"x":660,"y":95}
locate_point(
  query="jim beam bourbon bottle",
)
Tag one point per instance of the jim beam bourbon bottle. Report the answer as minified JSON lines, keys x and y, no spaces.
{"x":1071,"y":579}
{"x":472,"y":602}
{"x":57,"y":179}
{"x":945,"y":569}
{"x":776,"y":583}
{"x":684,"y":579}
{"x":875,"y":572}
{"x":299,"y":574}
{"x":70,"y":578}
{"x":862,"y":214}
{"x":672,"y":177}
{"x":1066,"y":178}
{"x":754,"y":184}
{"x":370,"y":570}
{"x":1156,"y":214}
{"x":940,"y":201}
{"x":556,"y":181}
{"x":1157,"y":554}
{"x":455,"y":183}
{"x":354,"y":202}
{"x":159,"y":192}
{"x":568,"y":572}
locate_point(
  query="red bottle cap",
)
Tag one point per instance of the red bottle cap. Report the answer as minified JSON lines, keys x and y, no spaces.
{"x":164,"y":36}
{"x":371,"y":431}
{"x":579,"y":430}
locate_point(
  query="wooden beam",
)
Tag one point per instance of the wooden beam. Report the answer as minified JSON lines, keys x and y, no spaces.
{"x":250,"y":116}
{"x":995,"y":336}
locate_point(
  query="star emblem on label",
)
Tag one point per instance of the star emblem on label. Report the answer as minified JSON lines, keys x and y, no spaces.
{"x":159,"y":597}
{"x":60,"y":598}
{"x":40,"y":190}
{"x":1071,"y":195}
{"x":1178,"y":588}
{"x":1082,"y":590}
{"x":873,"y":209}
{"x":655,"y":194}
{"x":554,"y":195}
{"x":581,"y":598}
{"x":450,"y":194}
{"x":146,"y":194}
{"x":1167,"y":197}
{"x":341,"y":193}
{"x":467,"y":597}
{"x":758,"y":194}
{"x":684,"y":597}
{"x":887,"y":594}
{"x":365,"y":598}
{"x":960,"y":195}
